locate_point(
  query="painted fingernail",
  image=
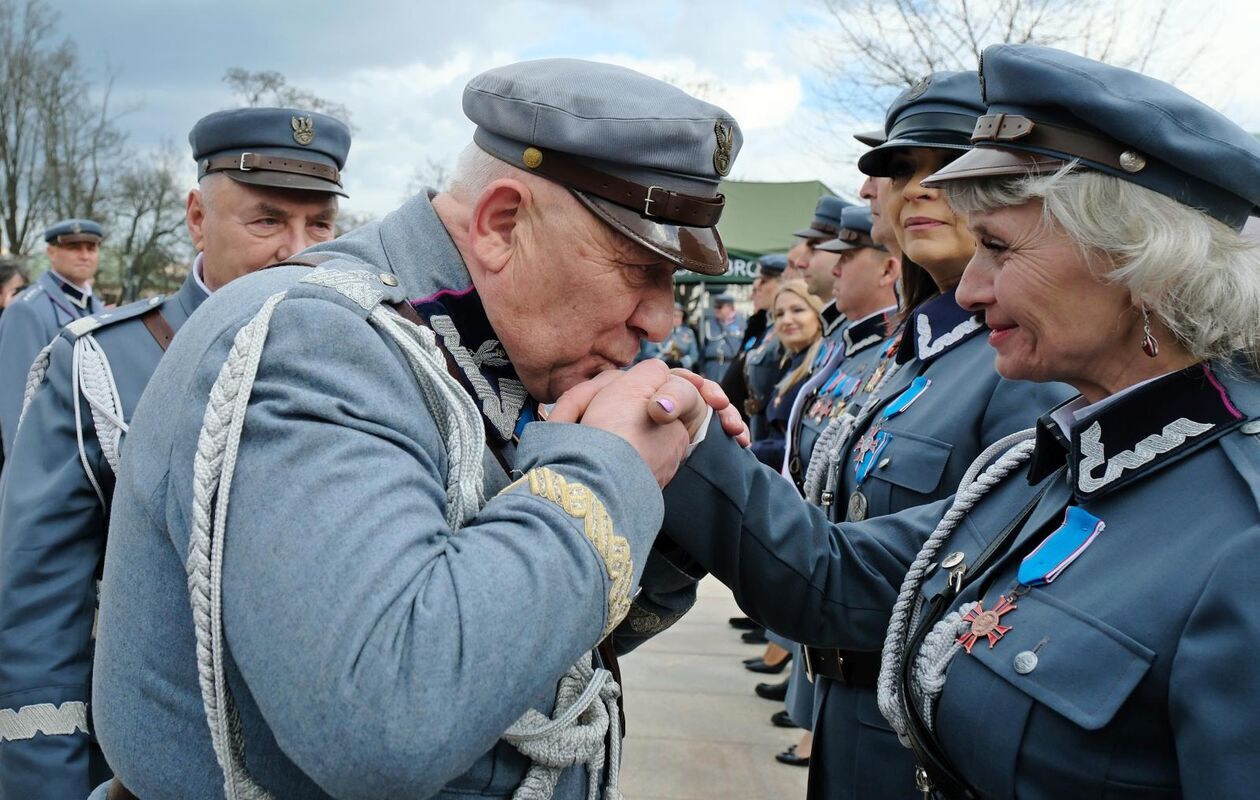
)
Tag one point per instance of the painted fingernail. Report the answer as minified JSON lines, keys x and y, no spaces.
{"x":666,"y":403}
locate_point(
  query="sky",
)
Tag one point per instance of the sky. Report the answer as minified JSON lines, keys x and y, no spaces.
{"x":400,"y":67}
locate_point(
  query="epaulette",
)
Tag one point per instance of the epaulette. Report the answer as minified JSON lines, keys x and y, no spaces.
{"x":30,"y":293}
{"x":104,"y":319}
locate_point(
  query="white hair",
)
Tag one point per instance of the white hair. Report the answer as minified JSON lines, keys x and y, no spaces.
{"x":475,"y":170}
{"x":1197,"y":275}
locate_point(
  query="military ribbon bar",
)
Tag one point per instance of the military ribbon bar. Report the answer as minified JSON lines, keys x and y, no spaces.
{"x":1060,"y":548}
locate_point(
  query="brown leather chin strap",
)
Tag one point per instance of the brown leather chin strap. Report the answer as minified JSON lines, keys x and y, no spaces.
{"x":651,"y":201}
{"x":1020,"y":131}
{"x":248,"y":162}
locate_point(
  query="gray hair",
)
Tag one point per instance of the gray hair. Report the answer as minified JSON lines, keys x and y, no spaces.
{"x":475,"y":170}
{"x":1197,"y":275}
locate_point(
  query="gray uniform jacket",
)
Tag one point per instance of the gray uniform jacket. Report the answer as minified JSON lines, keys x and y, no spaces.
{"x":373,"y":650}
{"x":1143,"y":683}
{"x":927,"y":448}
{"x":28,"y":324}
{"x":52,"y":545}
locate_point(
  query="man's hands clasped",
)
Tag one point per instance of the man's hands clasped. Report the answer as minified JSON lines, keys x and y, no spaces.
{"x":657,"y":410}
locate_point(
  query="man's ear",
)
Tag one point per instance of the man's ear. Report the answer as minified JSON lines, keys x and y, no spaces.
{"x":194,"y":216}
{"x":891,"y":272}
{"x":495,"y":232}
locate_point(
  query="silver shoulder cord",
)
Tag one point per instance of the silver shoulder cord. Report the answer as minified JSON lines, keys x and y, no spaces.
{"x":585,"y":712}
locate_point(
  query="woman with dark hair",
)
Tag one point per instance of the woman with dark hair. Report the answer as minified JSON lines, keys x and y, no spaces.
{"x":12,"y":280}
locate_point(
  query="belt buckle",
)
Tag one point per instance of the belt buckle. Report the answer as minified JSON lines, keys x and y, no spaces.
{"x":809,"y":663}
{"x":649,"y":200}
{"x":241,"y":166}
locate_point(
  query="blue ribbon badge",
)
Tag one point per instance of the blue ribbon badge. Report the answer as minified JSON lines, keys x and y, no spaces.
{"x":874,"y":442}
{"x":1060,"y":548}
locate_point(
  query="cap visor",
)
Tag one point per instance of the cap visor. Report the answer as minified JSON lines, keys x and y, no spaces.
{"x":285,"y":180}
{"x":871,"y":138}
{"x":984,"y":162}
{"x":874,"y":162}
{"x":696,"y":249}
{"x":837,"y":246}
{"x":813,"y":233}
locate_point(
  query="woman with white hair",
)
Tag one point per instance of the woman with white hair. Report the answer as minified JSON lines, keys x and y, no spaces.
{"x":1081,"y":618}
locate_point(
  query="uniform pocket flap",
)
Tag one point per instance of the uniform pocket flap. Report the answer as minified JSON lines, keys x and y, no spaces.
{"x":1084,"y":670}
{"x":912,"y":461}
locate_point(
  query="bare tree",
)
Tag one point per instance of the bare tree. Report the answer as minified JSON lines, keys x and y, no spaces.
{"x":58,"y":143}
{"x":872,"y":48}
{"x":147,"y":251}
{"x":268,"y":87}
{"x":432,"y":174}
{"x":349,"y":220}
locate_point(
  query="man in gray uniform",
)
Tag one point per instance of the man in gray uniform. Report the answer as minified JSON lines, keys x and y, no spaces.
{"x":54,"y":505}
{"x":405,"y":580}
{"x":722,"y":334}
{"x":60,"y":296}
{"x":678,"y":349}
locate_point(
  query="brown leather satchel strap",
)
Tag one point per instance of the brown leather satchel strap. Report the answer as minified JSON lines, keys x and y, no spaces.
{"x":650,"y":201}
{"x":247,"y":162}
{"x":999,"y":128}
{"x":117,"y":791}
{"x":158,"y":327}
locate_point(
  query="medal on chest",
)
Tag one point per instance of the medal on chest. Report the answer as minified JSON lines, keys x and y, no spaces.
{"x":875,"y":440}
{"x":1039,"y":568}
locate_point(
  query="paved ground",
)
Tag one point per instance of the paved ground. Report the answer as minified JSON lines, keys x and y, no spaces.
{"x":695,"y":730}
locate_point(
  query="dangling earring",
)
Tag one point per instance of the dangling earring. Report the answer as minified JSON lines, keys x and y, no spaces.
{"x":1149,"y":345}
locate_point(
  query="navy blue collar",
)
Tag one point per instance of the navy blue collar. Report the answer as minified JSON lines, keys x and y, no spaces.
{"x":864,"y":333}
{"x":937,"y":326}
{"x":464,"y":333}
{"x":1143,"y":431}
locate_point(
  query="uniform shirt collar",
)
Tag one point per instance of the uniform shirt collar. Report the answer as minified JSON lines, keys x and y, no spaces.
{"x":831,"y":317}
{"x":937,"y":326}
{"x":1135,"y":432}
{"x":81,"y":296}
{"x":867,"y":331}
{"x":198,"y":267}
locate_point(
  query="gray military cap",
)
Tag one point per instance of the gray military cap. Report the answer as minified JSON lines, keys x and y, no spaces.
{"x":938,"y":111}
{"x":68,"y":231}
{"x":826,"y":222}
{"x":283,"y":147}
{"x":642,"y":155}
{"x":855,"y":231}
{"x":1047,"y":107}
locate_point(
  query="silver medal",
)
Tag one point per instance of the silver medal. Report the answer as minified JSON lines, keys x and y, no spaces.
{"x":857,"y":507}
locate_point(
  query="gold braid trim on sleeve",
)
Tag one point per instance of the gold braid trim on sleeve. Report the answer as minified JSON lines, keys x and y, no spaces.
{"x":579,"y":502}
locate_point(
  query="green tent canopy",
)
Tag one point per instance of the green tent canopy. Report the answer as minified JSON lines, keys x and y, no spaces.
{"x":759,"y":218}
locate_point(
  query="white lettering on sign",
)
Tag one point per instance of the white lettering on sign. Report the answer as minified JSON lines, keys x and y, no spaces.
{"x":741,"y":268}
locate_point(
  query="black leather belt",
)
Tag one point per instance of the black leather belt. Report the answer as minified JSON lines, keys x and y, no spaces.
{"x":850,"y":667}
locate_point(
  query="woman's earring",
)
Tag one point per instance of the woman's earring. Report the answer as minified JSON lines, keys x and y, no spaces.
{"x":1149,"y":345}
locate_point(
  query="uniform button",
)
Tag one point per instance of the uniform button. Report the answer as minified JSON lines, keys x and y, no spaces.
{"x":885,"y":463}
{"x":388,"y":280}
{"x":1025,"y":662}
{"x":953,"y":559}
{"x":1251,"y":428}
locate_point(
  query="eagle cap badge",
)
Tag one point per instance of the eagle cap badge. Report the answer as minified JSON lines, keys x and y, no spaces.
{"x":725,"y":142}
{"x":303,"y":130}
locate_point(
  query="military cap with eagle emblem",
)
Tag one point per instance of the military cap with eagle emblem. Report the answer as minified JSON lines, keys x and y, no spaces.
{"x":642,"y":155}
{"x":68,"y":231}
{"x":286,"y":148}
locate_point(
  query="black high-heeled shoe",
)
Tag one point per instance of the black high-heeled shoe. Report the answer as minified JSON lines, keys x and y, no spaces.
{"x":790,"y":758}
{"x":772,"y":691}
{"x":760,"y":666}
